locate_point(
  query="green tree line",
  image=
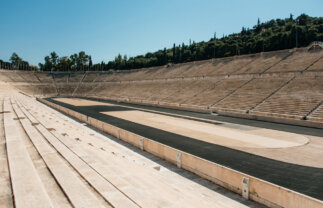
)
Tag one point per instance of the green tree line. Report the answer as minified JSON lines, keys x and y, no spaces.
{"x":276,"y":34}
{"x":16,"y":63}
{"x":75,"y":62}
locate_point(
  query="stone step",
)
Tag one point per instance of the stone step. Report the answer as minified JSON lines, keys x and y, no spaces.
{"x":73,"y":187}
{"x":142,"y":184}
{"x":109,"y":192}
{"x":28,"y":190}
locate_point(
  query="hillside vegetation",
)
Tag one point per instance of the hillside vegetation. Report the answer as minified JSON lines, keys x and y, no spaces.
{"x":272,"y":35}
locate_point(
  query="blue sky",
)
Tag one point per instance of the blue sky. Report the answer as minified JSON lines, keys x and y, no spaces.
{"x":104,"y":28}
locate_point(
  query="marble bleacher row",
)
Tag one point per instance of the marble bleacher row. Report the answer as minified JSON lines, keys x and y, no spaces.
{"x":296,"y":99}
{"x":317,"y":114}
{"x":281,"y":84}
{"x":251,"y":94}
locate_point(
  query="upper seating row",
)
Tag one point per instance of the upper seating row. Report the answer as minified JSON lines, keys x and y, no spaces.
{"x":270,"y":62}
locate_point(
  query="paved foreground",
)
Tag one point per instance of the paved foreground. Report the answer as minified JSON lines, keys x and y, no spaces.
{"x":50,"y":160}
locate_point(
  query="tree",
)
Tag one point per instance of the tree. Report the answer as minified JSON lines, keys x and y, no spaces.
{"x":82,"y":59}
{"x":243,"y":31}
{"x":182,"y":51}
{"x":74,"y":61}
{"x":174,"y":53}
{"x":64,"y":64}
{"x":303,"y":19}
{"x":78,"y":61}
{"x":102,"y":65}
{"x":5,"y":65}
{"x":18,"y":63}
{"x":48,"y":63}
{"x":15,"y":59}
{"x":118,"y":58}
{"x":90,"y":62}
{"x":41,"y":66}
{"x":178,"y":53}
{"x":165,"y":56}
{"x":53,"y":59}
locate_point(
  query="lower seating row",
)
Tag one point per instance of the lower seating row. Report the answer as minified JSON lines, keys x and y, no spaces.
{"x":39,"y":90}
{"x":251,"y":94}
{"x":295,"y":100}
{"x":204,"y":92}
{"x":317,"y":114}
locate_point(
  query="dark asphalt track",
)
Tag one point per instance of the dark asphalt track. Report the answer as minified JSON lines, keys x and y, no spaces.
{"x":306,"y":180}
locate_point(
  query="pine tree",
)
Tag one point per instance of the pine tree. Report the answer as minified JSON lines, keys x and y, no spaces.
{"x":90,"y":62}
{"x":178,"y":53}
{"x":174,"y":52}
{"x":165,"y":55}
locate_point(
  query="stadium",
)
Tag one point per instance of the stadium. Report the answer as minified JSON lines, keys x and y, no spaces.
{"x":161,"y":104}
{"x":241,"y":131}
